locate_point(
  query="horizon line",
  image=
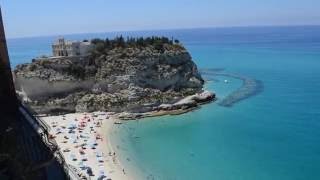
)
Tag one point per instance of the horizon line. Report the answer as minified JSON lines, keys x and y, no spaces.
{"x":164,"y":29}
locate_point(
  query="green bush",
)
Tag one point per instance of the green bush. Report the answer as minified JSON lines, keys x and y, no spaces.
{"x":158,"y":43}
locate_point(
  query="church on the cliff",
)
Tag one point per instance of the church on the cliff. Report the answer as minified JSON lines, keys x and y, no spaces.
{"x":64,"y":47}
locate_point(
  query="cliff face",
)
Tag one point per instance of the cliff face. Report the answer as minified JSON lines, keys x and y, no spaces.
{"x":121,"y":79}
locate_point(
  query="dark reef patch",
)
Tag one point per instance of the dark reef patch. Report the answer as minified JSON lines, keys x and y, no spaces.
{"x":250,"y":87}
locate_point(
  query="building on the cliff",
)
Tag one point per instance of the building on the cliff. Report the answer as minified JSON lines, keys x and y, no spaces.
{"x":64,"y":47}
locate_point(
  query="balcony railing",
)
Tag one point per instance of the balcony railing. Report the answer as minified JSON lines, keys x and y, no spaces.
{"x":42,"y":128}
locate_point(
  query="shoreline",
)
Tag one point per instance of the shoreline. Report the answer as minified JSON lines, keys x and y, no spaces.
{"x":108,"y":146}
{"x":101,"y":124}
{"x":186,"y":104}
{"x":70,"y":146}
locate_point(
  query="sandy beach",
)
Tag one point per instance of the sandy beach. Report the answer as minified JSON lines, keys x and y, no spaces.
{"x":84,"y":141}
{"x":84,"y":138}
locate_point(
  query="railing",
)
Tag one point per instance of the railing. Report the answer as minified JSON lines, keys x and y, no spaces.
{"x":31,"y":112}
{"x":42,"y":128}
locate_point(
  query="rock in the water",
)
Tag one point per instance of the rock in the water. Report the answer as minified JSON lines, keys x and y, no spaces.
{"x":133,"y":79}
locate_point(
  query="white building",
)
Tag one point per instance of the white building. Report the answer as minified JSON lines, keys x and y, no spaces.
{"x":70,"y":48}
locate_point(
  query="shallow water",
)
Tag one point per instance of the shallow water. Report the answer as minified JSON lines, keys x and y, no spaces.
{"x":271,"y":135}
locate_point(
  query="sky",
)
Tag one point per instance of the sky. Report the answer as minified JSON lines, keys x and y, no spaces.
{"x":24,"y":18}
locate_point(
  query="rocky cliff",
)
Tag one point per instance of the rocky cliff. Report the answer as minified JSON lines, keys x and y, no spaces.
{"x":121,"y":78}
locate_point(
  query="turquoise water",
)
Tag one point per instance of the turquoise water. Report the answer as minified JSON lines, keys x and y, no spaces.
{"x":272,"y":135}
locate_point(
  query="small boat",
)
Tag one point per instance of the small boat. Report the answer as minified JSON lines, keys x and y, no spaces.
{"x":226,"y":81}
{"x":118,"y":122}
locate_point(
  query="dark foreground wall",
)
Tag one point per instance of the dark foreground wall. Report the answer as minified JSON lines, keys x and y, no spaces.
{"x":23,"y":152}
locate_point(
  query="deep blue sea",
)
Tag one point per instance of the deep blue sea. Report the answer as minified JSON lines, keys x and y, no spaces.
{"x":274,"y":134}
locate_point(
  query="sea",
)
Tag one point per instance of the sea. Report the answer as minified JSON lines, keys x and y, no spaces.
{"x":271,"y":130}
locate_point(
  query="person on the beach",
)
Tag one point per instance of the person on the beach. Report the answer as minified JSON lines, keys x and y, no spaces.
{"x":123,"y":171}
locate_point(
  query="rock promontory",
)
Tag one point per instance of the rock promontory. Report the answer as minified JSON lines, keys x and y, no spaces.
{"x":135,"y":75}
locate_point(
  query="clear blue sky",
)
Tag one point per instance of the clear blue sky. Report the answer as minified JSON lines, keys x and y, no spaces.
{"x":53,"y":17}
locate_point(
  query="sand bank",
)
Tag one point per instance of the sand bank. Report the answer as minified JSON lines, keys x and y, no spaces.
{"x":83,"y":139}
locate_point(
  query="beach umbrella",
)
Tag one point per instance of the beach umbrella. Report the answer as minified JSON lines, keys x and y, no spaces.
{"x":84,"y":158}
{"x":93,"y":146}
{"x":66,"y":150}
{"x":72,"y":126}
{"x":95,"y":143}
{"x":101,"y":175}
{"x":99,"y":154}
{"x":73,"y":140}
{"x":101,"y":172}
{"x":81,"y":165}
{"x":73,"y":157}
{"x":81,"y":151}
{"x":89,"y":171}
{"x":73,"y":136}
{"x":100,"y":159}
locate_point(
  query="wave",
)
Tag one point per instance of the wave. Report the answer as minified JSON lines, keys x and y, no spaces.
{"x":250,"y":87}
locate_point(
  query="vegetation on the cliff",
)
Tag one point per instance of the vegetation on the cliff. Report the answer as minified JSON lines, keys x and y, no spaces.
{"x":102,"y":46}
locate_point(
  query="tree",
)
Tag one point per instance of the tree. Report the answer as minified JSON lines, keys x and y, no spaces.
{"x":100,"y":47}
{"x":96,"y":41}
{"x":107,"y":43}
{"x":140,"y":42}
{"x":118,"y":42}
{"x":157,"y":42}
